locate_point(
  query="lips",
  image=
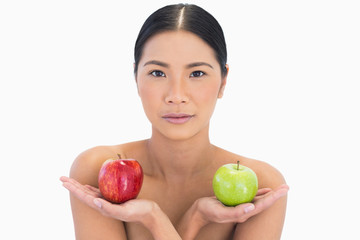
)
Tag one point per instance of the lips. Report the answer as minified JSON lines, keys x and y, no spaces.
{"x":177,"y":118}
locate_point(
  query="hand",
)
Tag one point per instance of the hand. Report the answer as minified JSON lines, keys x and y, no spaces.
{"x":142,"y":211}
{"x":212,"y":210}
{"x":131,"y":211}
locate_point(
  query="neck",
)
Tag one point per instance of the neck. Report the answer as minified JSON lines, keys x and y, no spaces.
{"x":178,"y":160}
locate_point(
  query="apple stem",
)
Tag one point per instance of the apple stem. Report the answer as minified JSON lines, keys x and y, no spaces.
{"x":238,"y":163}
{"x":119,"y":155}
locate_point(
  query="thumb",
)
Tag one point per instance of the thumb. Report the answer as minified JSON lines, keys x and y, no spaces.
{"x":107,"y":208}
{"x":249,"y":207}
{"x":98,"y":202}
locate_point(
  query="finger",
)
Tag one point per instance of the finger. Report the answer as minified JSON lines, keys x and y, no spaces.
{"x":225,"y":214}
{"x":263,"y":191}
{"x":283,"y":186}
{"x":270,"y":198}
{"x":93,"y":189}
{"x":64,"y":178}
{"x":80,"y":193}
{"x":281,"y":191}
{"x":73,"y":181}
{"x":265,"y":201}
{"x":262,"y":194}
{"x":87,"y":188}
{"x":238,"y":214}
{"x":69,"y":180}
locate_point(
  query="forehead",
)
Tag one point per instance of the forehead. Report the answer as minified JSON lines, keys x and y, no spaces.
{"x":177,"y":46}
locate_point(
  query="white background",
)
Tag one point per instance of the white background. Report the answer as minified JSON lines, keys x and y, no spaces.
{"x":292,"y":100}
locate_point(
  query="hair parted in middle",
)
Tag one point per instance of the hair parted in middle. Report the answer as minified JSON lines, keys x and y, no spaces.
{"x":187,"y":17}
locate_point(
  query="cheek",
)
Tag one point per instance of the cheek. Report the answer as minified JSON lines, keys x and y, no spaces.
{"x":205,"y":100}
{"x":148,"y":89}
{"x":150,"y":98}
{"x":145,"y":92}
{"x":207,"y":94}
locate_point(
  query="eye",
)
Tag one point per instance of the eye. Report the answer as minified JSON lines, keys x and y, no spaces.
{"x":197,"y":74}
{"x":157,"y":73}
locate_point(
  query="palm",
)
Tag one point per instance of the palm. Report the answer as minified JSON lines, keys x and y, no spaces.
{"x":130,"y":211}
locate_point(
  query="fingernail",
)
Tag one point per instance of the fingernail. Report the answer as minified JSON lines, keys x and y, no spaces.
{"x":249,"y":208}
{"x":97,"y":203}
{"x":283,"y":193}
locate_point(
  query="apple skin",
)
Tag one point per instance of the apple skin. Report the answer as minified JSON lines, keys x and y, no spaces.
{"x":234,"y":184}
{"x":120,"y":180}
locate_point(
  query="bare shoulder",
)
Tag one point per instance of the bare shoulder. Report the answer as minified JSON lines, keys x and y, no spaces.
{"x":87,"y":164}
{"x":89,"y":223}
{"x":267,"y":174}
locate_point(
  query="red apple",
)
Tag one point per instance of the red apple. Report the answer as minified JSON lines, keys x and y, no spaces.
{"x":120,"y":180}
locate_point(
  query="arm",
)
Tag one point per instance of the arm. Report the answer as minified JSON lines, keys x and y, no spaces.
{"x":95,"y":218}
{"x":141,"y":211}
{"x":88,"y":222}
{"x":266,"y":224}
{"x":191,"y":223}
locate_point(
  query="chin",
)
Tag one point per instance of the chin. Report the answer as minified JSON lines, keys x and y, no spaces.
{"x":179,"y":134}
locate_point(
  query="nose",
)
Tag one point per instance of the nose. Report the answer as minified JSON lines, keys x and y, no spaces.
{"x":177,"y":93}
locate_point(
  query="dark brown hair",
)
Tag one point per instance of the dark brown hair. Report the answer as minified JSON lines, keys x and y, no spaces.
{"x":186,"y":17}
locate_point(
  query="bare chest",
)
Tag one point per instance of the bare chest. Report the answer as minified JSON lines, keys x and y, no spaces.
{"x":175,"y":200}
{"x":210,"y":232}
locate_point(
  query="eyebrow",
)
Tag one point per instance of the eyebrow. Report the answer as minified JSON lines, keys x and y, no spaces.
{"x":197,"y":64}
{"x":155,"y":62}
{"x":190,"y":65}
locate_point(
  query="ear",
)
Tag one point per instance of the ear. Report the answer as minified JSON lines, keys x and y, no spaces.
{"x":135,"y":76}
{"x":223,"y":82}
{"x":134,"y":72}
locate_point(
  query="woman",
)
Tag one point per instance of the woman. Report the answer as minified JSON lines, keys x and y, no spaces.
{"x":180,"y":71}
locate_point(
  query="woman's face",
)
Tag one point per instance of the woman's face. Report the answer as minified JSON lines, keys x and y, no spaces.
{"x":179,"y":81}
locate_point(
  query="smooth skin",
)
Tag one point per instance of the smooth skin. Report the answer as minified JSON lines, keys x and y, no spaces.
{"x":178,"y":73}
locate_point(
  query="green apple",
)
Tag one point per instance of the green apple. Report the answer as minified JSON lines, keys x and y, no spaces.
{"x":234,"y":184}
